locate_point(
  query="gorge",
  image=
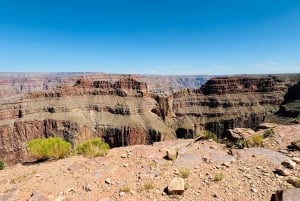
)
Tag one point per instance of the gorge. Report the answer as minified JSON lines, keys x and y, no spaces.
{"x":132,"y":109}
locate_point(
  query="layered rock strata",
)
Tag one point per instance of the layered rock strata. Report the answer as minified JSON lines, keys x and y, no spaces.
{"x":126,"y":111}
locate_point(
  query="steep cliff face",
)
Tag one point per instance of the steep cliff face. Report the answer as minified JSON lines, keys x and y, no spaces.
{"x":13,"y":139}
{"x":291,"y":104}
{"x":125,"y":111}
{"x":224,"y":103}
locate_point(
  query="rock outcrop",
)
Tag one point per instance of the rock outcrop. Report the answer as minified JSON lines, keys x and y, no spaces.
{"x":126,"y":110}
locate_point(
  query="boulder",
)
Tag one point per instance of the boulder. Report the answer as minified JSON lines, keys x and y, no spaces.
{"x":171,"y":154}
{"x":289,"y":164}
{"x":292,"y":194}
{"x":282,"y":172}
{"x":296,"y":144}
{"x":176,"y":186}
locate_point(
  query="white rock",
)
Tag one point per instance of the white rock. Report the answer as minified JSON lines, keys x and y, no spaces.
{"x":124,"y":156}
{"x":296,"y":160}
{"x":176,"y":186}
{"x":254,"y":190}
{"x":282,"y":172}
{"x":60,"y":198}
{"x":107,"y":181}
{"x":171,"y":154}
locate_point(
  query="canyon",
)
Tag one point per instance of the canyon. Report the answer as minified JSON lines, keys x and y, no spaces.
{"x":133,"y":109}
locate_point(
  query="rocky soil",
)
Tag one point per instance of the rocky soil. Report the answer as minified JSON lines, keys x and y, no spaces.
{"x":210,"y":171}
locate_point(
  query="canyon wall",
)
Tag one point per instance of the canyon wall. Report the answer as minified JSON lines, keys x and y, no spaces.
{"x":224,"y":103}
{"x":126,"y":110}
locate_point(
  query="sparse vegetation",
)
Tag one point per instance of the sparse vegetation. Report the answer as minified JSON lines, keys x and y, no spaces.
{"x":254,"y":141}
{"x":242,"y":143}
{"x":219,"y":176}
{"x":269,"y":133}
{"x":186,"y":186}
{"x":297,"y":183}
{"x":2,"y":164}
{"x":93,"y":148}
{"x":126,"y":188}
{"x":49,"y":148}
{"x":184,"y":173}
{"x":148,"y":186}
{"x":209,"y":135}
{"x":257,"y":141}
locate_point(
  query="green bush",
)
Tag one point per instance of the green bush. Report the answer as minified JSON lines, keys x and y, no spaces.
{"x":297,"y":183}
{"x":257,"y":140}
{"x":49,"y":148}
{"x":149,"y":185}
{"x":210,"y":135}
{"x":184,"y":173}
{"x":269,"y":133}
{"x":242,"y":143}
{"x":93,"y":148}
{"x":219,"y":176}
{"x":2,"y":164}
{"x":126,"y":188}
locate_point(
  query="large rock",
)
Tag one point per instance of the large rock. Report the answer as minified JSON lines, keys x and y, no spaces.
{"x":272,"y":156}
{"x":296,"y":144}
{"x":282,"y":171}
{"x":176,"y":186}
{"x":171,"y":154}
{"x":289,"y":164}
{"x":292,"y":194}
{"x":267,"y":125}
{"x":240,"y":133}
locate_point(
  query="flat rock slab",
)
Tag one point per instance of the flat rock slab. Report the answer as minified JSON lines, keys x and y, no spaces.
{"x":105,"y":171}
{"x":216,"y":155}
{"x":196,"y":153}
{"x":176,"y":144}
{"x":75,"y":167}
{"x":148,"y":152}
{"x":273,"y":156}
{"x":8,"y":197}
{"x":38,"y":196}
{"x":188,"y":160}
{"x":292,"y":194}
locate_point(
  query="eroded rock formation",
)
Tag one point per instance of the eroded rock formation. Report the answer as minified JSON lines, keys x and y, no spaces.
{"x":124,"y":110}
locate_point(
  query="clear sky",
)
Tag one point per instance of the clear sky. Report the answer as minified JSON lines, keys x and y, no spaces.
{"x":151,"y":36}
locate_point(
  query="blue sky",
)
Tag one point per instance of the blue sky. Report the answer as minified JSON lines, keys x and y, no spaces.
{"x":151,"y":36}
